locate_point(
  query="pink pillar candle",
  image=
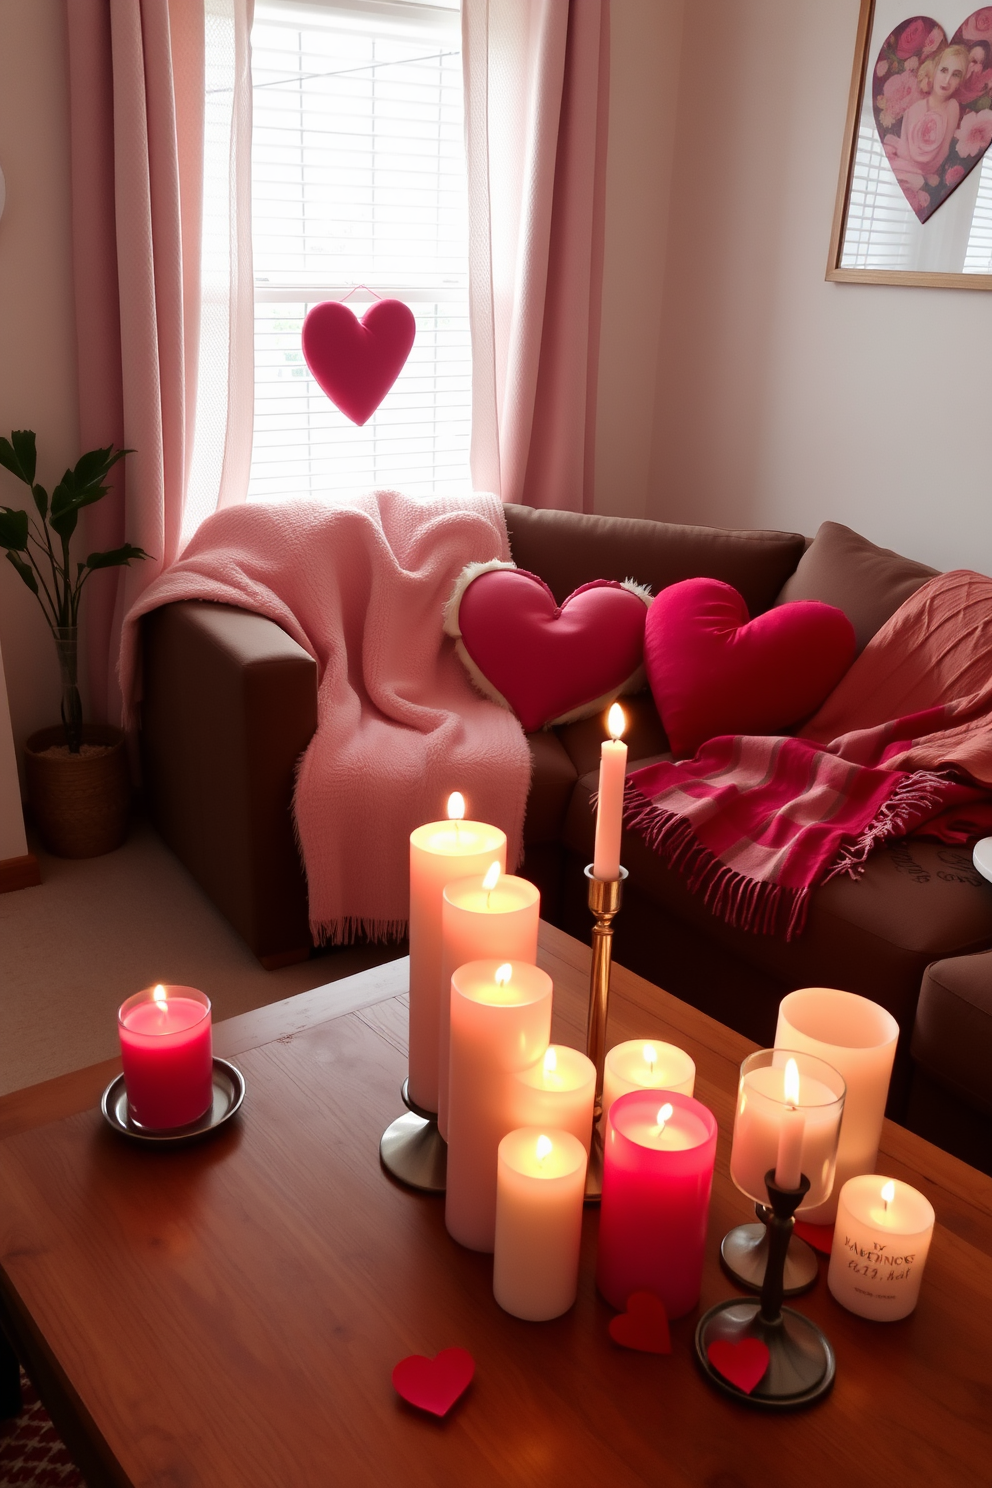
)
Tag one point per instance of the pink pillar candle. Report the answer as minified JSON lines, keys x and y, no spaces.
{"x":167,"y":1053}
{"x":609,"y":807}
{"x":500,"y":1024}
{"x":657,"y":1177}
{"x":559,"y":1091}
{"x":540,"y":1190}
{"x":439,"y":852}
{"x":479,"y":924}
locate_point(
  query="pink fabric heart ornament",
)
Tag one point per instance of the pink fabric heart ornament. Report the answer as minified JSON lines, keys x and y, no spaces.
{"x":547,"y":663}
{"x":715,"y":671}
{"x":357,"y":361}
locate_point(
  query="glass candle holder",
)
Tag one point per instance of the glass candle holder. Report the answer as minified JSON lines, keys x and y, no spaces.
{"x":790,"y":1131}
{"x":167,"y":1052}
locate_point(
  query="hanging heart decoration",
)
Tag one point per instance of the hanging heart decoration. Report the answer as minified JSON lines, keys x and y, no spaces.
{"x":357,"y":361}
{"x":932,"y":101}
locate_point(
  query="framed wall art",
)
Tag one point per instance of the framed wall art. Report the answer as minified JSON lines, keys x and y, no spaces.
{"x":914,"y":202}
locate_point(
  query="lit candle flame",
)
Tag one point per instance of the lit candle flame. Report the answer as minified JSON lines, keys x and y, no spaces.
{"x":615,"y":721}
{"x":544,"y":1147}
{"x":650,"y":1058}
{"x":665,"y":1113}
{"x":792,"y":1082}
{"x":550,"y":1062}
{"x":888,"y":1193}
{"x":492,"y":877}
{"x":503,"y":974}
{"x":158,"y":993}
{"x":456,"y":806}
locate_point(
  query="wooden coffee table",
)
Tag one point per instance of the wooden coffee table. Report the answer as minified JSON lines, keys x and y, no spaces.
{"x":230,"y":1313}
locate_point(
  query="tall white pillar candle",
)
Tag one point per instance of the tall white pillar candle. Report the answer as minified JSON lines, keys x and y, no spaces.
{"x":858,"y":1038}
{"x":439,"y":852}
{"x":500,"y":1024}
{"x":881,"y":1241}
{"x":609,"y":808}
{"x":559,"y":1090}
{"x":646,"y":1064}
{"x":765,"y":1107}
{"x":479,"y":923}
{"x":540,"y":1190}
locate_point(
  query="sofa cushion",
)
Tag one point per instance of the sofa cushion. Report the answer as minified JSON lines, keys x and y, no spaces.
{"x":571,"y":548}
{"x":917,"y":901}
{"x":844,"y":569}
{"x":552,"y":782}
{"x":952,"y":1037}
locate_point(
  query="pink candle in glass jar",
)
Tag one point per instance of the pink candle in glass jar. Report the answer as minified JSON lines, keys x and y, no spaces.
{"x":657,"y":1174}
{"x":167,"y":1052}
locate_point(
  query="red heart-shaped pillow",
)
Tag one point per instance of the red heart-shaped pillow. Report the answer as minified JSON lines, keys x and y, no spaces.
{"x":546,"y":662}
{"x":643,"y":1326}
{"x":714,"y":671}
{"x":434,"y":1384}
{"x":357,"y":361}
{"x":744,"y":1363}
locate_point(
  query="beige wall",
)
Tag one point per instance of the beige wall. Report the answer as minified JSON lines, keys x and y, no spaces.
{"x":37,"y":341}
{"x":783,"y":400}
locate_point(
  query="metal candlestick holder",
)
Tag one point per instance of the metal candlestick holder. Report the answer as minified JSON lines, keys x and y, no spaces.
{"x":413,"y":1150}
{"x":605,"y":895}
{"x":801,"y":1363}
{"x":744,"y":1254}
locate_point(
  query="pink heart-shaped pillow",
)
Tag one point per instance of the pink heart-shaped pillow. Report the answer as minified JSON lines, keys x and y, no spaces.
{"x":714,"y":671}
{"x":548,"y":663}
{"x":357,"y":361}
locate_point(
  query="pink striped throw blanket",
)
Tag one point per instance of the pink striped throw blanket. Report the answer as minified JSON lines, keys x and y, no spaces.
{"x":903,"y":743}
{"x":362,"y":588}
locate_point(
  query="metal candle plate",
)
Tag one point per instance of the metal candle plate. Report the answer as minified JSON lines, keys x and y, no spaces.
{"x":229,"y":1092}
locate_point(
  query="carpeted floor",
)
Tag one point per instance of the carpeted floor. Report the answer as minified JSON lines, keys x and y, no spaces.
{"x":98,"y":929}
{"x":31,"y":1454}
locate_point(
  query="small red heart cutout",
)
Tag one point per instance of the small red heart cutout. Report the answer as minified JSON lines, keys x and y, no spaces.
{"x":743,"y":1364}
{"x":357,"y":361}
{"x":643,"y":1326}
{"x":821,"y":1237}
{"x":434,"y":1384}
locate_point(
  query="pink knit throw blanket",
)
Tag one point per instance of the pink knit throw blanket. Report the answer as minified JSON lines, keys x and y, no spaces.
{"x":362,"y":588}
{"x":903,"y":743}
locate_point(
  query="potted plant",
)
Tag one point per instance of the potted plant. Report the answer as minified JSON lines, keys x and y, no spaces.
{"x":77,"y":774}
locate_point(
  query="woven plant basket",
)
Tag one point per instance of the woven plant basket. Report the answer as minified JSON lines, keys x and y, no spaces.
{"x":80,"y":803}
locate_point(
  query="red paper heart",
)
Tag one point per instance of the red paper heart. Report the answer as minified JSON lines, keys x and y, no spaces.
{"x":357,"y":361}
{"x":821,"y":1237}
{"x":934,"y":129}
{"x":743,"y":1364}
{"x":713,"y":671}
{"x":643,"y":1326}
{"x":546,"y":660}
{"x":434,"y":1384}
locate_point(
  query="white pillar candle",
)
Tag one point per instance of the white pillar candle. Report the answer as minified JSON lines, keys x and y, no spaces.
{"x":881,"y":1241}
{"x":439,"y":852}
{"x":500,"y":1024}
{"x":559,"y":1090}
{"x":540,"y":1190}
{"x":858,"y":1038}
{"x":764,"y":1107}
{"x":480,"y":923}
{"x":609,"y":808}
{"x":646,"y":1064}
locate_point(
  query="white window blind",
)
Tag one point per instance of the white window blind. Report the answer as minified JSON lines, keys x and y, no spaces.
{"x":879,"y":219}
{"x":358,"y":178}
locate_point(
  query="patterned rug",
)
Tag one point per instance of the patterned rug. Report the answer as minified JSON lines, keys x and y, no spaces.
{"x":31,"y":1453}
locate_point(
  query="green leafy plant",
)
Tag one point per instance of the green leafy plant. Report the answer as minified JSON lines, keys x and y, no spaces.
{"x":37,"y":544}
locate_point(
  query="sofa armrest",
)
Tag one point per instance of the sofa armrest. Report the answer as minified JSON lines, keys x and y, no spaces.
{"x":230,"y":703}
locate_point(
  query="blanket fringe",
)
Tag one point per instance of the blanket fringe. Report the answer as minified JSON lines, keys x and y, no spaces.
{"x":743,"y":902}
{"x":349,"y":928}
{"x":914,"y":799}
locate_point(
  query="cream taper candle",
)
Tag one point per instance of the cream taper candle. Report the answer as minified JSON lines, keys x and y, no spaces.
{"x":540,"y":1190}
{"x":881,"y":1241}
{"x":609,"y":808}
{"x":439,"y":852}
{"x":500,"y":1024}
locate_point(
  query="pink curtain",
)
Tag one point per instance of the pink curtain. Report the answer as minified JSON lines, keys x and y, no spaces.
{"x":136,"y":80}
{"x":536,"y":102}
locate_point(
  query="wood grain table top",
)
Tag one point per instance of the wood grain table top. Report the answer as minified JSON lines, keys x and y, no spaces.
{"x":230,"y":1313}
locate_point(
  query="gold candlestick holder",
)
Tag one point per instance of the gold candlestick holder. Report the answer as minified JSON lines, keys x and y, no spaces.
{"x":605,"y":895}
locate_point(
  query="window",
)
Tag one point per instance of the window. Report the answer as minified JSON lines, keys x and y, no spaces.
{"x":358,"y":178}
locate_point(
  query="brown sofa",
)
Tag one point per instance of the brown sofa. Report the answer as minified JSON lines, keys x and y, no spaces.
{"x":230,"y":703}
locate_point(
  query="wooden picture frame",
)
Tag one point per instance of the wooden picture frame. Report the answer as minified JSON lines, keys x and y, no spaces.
{"x":837,"y":272}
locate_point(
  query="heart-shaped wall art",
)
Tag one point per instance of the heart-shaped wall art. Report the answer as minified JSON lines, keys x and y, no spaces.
{"x":547,"y":663}
{"x":357,"y":361}
{"x":932,"y":100}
